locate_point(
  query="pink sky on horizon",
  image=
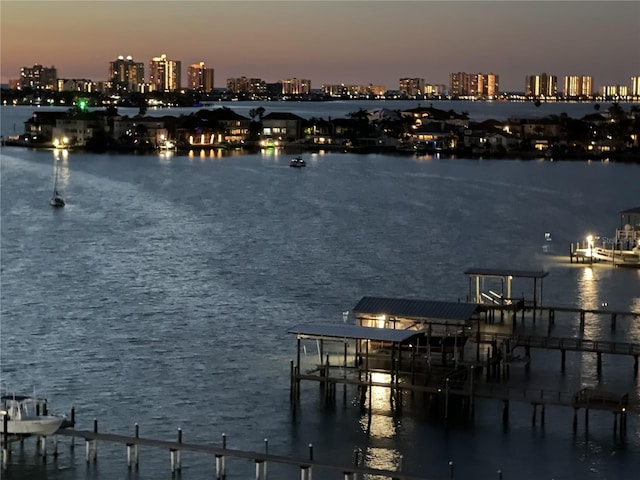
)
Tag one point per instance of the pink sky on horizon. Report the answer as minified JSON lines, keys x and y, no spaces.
{"x":353,"y":42}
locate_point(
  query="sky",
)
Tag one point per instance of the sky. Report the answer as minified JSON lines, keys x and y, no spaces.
{"x":329,"y":42}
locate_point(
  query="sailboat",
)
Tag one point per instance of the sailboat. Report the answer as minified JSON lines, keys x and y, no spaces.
{"x":56,"y":198}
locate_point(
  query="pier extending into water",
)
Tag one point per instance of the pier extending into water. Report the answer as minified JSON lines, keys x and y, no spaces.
{"x":476,"y":346}
{"x":221,"y":455}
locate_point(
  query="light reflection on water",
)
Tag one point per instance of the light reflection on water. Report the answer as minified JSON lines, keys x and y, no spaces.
{"x":380,"y":425}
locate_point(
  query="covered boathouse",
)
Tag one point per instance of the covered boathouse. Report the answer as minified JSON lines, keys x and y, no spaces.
{"x":412,"y":314}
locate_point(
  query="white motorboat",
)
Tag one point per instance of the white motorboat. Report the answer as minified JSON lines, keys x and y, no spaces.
{"x":26,"y":415}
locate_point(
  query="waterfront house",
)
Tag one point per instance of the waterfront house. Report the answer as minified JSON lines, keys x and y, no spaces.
{"x":282,"y":126}
{"x":423,"y":115}
{"x":481,"y":139}
{"x":218,"y":127}
{"x":437,"y":136}
{"x":39,"y":128}
{"x":76,"y":129}
{"x":143,"y":131}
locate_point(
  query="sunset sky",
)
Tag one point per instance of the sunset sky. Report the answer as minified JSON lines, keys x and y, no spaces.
{"x":351,"y":42}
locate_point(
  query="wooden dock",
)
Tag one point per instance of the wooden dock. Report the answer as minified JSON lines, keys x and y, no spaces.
{"x":303,"y":467}
{"x":383,"y":358}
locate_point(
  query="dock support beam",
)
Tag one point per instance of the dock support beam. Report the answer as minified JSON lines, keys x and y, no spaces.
{"x":5,"y":442}
{"x":91,"y":446}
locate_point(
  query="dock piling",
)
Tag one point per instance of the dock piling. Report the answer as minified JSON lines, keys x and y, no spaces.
{"x":73,"y":423}
{"x":5,"y":442}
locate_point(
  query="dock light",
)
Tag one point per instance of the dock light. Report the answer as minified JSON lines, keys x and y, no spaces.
{"x":590,"y":245}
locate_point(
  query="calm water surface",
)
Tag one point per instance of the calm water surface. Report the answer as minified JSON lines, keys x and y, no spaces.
{"x":162,"y":294}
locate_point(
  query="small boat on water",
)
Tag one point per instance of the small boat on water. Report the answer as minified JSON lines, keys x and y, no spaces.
{"x":56,"y":199}
{"x":26,"y":415}
{"x":297,"y":162}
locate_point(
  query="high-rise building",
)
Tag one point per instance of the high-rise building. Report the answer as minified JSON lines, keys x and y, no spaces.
{"x":38,"y":77}
{"x":614,"y":91}
{"x":541,"y":85}
{"x":164,"y":74}
{"x":411,"y":87}
{"x":635,"y":87}
{"x":491,"y":85}
{"x":578,"y":86}
{"x":464,"y":84}
{"x":200,"y":78}
{"x":244,"y":85}
{"x":125,"y":75}
{"x":296,"y":86}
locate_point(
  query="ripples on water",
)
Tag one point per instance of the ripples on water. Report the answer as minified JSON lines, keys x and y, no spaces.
{"x":162,"y":295}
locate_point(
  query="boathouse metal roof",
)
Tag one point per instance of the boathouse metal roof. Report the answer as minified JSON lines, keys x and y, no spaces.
{"x":357,"y":332}
{"x":631,"y":211}
{"x":496,"y":272}
{"x":400,"y":307}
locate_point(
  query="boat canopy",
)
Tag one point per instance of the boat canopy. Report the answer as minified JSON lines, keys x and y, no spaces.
{"x":417,"y":309}
{"x":357,"y":332}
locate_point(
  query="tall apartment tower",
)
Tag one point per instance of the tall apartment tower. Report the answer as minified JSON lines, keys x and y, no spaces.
{"x":244,"y":85}
{"x":541,"y":85}
{"x":462,"y":84}
{"x":411,"y":87}
{"x":200,"y":78}
{"x":635,"y":87}
{"x":491,"y":85}
{"x":473,"y":84}
{"x":296,"y":86}
{"x":38,"y":77}
{"x":164,"y":74}
{"x":126,"y":75}
{"x":578,"y":86}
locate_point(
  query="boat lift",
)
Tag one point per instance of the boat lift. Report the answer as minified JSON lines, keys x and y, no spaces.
{"x":504,"y":297}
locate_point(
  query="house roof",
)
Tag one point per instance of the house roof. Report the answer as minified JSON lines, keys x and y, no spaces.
{"x":282,"y":116}
{"x":631,"y":211}
{"x":401,"y":307}
{"x":435,"y":127}
{"x":221,"y":114}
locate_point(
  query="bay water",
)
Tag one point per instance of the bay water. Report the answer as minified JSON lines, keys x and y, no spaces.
{"x":162,"y":295}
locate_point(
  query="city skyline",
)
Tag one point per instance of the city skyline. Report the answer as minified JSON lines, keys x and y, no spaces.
{"x":329,"y":42}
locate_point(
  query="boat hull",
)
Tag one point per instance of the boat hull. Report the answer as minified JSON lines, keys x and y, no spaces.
{"x":38,"y":426}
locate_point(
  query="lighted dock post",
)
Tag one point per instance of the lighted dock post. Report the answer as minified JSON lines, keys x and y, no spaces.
{"x":264,"y":465}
